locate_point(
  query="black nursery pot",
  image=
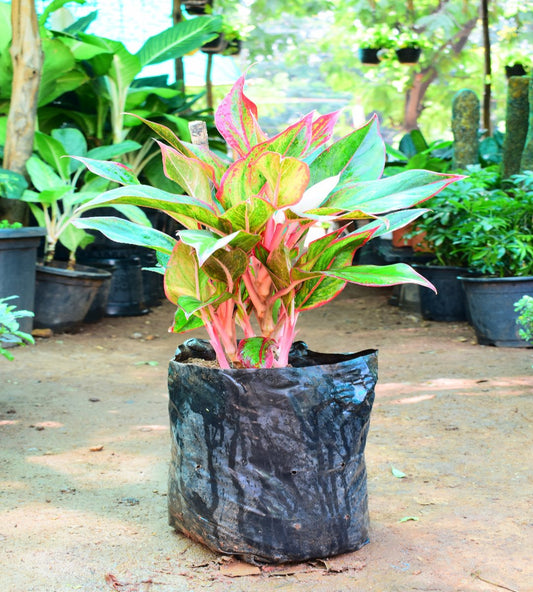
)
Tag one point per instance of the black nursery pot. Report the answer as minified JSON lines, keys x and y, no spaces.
{"x":369,"y":55}
{"x":268,"y":464}
{"x":408,"y":55}
{"x":449,"y":303}
{"x":515,"y":70}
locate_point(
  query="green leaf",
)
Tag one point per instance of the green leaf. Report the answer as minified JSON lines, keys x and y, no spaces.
{"x":250,"y":215}
{"x":124,"y":231}
{"x":12,"y":184}
{"x":52,"y":151}
{"x":114,"y":171}
{"x":398,"y":192}
{"x":183,"y":323}
{"x":257,"y":352}
{"x":187,"y":210}
{"x":113,"y":151}
{"x":73,"y":238}
{"x":194,"y":176}
{"x":205,"y":243}
{"x":408,"y":518}
{"x":379,"y":275}
{"x":359,"y":156}
{"x":397,"y":473}
{"x":42,"y":175}
{"x":179,"y":40}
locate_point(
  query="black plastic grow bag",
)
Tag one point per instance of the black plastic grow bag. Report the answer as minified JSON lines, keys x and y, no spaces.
{"x":268,"y":464}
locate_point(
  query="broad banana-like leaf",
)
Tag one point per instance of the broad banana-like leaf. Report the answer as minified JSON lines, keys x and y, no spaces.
{"x":179,"y":40}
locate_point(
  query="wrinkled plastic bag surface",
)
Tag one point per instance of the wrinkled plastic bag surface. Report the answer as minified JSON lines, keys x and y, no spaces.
{"x":268,"y":464}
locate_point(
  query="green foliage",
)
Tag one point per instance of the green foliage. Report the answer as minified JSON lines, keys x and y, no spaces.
{"x":59,"y":196}
{"x":90,"y":82}
{"x":247,"y":255}
{"x":524,"y":307}
{"x":478,"y":225}
{"x":415,"y":153}
{"x":327,"y":33}
{"x":10,"y":332}
{"x":8,"y":224}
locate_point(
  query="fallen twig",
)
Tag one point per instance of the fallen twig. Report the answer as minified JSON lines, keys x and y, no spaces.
{"x":476,"y":575}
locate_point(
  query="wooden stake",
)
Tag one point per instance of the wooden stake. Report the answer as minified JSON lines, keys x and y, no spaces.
{"x":198,"y":130}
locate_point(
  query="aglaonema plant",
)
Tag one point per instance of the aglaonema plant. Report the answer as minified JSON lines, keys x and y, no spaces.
{"x":246,"y":257}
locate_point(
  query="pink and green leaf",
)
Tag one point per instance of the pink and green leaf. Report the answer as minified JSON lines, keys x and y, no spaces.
{"x":193,"y":176}
{"x":359,"y":156}
{"x":322,"y":129}
{"x":257,"y":352}
{"x":286,"y":179}
{"x":240,"y":182}
{"x":114,"y":171}
{"x":250,"y":215}
{"x":184,"y":208}
{"x":398,"y":192}
{"x":380,"y":275}
{"x":236,"y":120}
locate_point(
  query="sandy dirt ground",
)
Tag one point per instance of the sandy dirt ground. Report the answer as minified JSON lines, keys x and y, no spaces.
{"x":85,"y":450}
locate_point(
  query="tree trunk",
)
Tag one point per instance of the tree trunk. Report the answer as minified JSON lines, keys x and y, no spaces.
{"x":177,"y":17}
{"x":414,"y":98}
{"x":27,"y":57}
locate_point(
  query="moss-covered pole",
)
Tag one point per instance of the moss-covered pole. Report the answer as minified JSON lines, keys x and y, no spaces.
{"x":516,"y":120}
{"x":526,"y":164}
{"x":465,"y":126}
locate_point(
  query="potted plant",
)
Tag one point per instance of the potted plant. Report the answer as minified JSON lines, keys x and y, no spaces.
{"x":198,"y":6}
{"x":409,"y":48}
{"x":64,"y":290}
{"x":496,"y":243}
{"x":517,"y":63}
{"x":18,"y":257}
{"x":228,"y":43}
{"x":373,"y":44}
{"x":267,"y":436}
{"x":450,"y":213}
{"x":10,"y":331}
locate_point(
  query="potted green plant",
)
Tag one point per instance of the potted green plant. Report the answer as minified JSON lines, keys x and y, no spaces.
{"x":64,"y":290}
{"x":496,"y":244}
{"x":409,"y":47}
{"x":449,"y":214}
{"x":267,"y":436}
{"x":516,"y":62}
{"x":373,"y":44}
{"x":198,"y":6}
{"x":18,"y":257}
{"x":10,"y":331}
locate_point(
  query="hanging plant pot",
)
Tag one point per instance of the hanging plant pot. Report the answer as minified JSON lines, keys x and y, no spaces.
{"x":63,"y":296}
{"x":490,"y":304}
{"x":218,"y":45}
{"x":197,"y":6}
{"x":268,"y":463}
{"x":234,"y":47}
{"x":408,"y":55}
{"x":369,"y":55}
{"x":515,"y":70}
{"x":18,"y":256}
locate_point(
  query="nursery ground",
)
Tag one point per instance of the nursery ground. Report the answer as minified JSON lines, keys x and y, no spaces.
{"x":85,"y":450}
